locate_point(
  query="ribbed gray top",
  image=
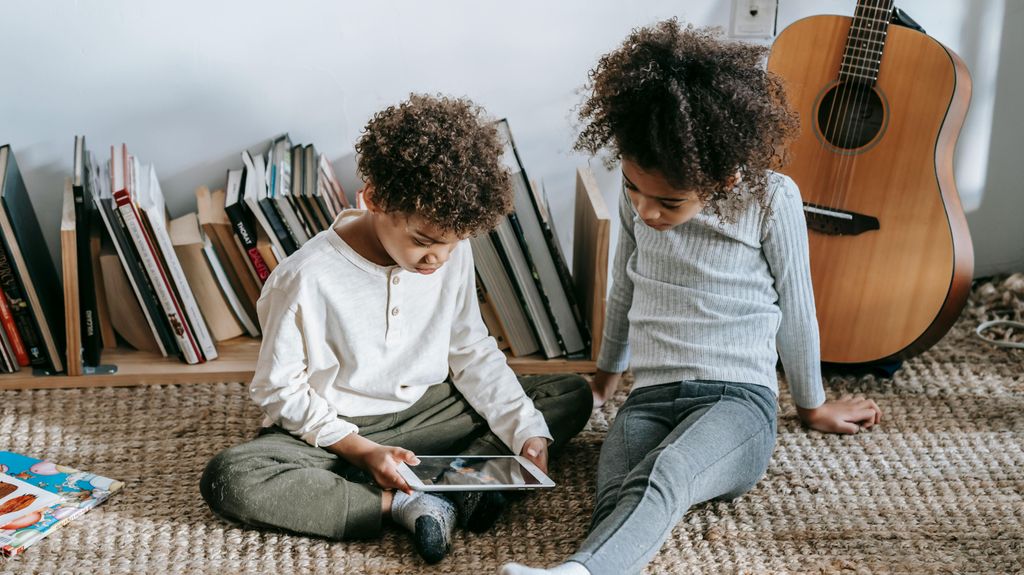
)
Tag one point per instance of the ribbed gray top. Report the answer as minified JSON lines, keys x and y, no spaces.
{"x":717,"y":301}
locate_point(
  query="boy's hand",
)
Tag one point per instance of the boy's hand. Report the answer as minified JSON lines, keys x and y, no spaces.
{"x":536,"y":450}
{"x":847,"y":414}
{"x":380,"y":460}
{"x":603,"y":386}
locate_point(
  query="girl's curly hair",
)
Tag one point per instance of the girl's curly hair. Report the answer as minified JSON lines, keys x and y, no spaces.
{"x":697,"y":109}
{"x":437,"y":158}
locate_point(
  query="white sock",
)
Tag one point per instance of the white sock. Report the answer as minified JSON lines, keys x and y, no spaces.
{"x":569,"y":568}
{"x":431,"y":520}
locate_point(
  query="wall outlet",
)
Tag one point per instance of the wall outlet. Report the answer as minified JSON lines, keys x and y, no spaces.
{"x":753,"y":18}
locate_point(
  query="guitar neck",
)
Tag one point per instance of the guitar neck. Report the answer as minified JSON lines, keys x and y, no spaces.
{"x":866,"y":41}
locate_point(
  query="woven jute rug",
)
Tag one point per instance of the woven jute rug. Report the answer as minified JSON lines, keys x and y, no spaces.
{"x":937,"y":488}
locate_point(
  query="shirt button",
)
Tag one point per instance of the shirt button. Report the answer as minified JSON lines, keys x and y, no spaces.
{"x":395,"y":280}
{"x":394,"y":311}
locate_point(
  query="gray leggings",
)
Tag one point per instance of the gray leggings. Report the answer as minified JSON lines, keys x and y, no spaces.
{"x":670,"y":447}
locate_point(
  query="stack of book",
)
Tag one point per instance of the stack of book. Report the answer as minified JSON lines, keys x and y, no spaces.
{"x":31,"y":310}
{"x":37,"y":497}
{"x":524,"y":286}
{"x":183,"y":284}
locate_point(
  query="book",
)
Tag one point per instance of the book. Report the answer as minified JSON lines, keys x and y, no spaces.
{"x":507,"y":241}
{"x":153,"y":208}
{"x":69,"y":267}
{"x":134,"y":274}
{"x":333,"y":192}
{"x":279,"y":189}
{"x":189,"y":244}
{"x":21,"y":502}
{"x":216,"y":226}
{"x":77,"y":493}
{"x":491,"y":271}
{"x":263,"y":208}
{"x":31,"y":267}
{"x":543,"y":255}
{"x":122,"y":187}
{"x":11,"y":338}
{"x":98,"y":241}
{"x":310,"y":186}
{"x":245,"y":230}
{"x":87,"y":318}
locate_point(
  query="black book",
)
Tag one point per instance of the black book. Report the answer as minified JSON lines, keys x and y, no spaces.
{"x":92,"y":342}
{"x":30,"y":260}
{"x":242,"y":223}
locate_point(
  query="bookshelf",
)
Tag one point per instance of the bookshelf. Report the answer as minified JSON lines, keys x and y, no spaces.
{"x":237,"y":357}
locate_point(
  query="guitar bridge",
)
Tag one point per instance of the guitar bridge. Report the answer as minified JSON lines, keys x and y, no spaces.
{"x":837,"y":222}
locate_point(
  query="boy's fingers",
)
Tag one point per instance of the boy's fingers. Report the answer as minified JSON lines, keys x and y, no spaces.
{"x":407,"y":456}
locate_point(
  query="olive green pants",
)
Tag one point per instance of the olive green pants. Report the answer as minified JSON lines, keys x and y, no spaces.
{"x":279,"y":481}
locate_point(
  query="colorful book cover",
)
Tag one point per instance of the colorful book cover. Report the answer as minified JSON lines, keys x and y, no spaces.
{"x":80,"y":491}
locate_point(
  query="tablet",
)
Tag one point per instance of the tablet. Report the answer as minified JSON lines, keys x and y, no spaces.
{"x":473,"y":473}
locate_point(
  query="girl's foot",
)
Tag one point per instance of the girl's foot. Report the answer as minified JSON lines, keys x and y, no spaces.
{"x":569,"y":568}
{"x":478,"y":511}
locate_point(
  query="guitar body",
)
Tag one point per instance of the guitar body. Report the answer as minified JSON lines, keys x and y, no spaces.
{"x":891,"y":292}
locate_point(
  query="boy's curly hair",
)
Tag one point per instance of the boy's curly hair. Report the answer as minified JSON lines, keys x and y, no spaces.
{"x":437,"y":158}
{"x":691,"y":106}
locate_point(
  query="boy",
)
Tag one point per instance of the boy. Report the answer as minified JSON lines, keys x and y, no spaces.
{"x":374,"y":349}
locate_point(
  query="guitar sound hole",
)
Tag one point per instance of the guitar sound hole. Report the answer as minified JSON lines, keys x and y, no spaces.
{"x":850,"y":115}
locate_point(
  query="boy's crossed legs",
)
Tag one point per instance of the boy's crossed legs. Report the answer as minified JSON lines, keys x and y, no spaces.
{"x":670,"y":447}
{"x":280,"y":481}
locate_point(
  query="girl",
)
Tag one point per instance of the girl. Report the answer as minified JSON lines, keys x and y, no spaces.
{"x":711,"y":285}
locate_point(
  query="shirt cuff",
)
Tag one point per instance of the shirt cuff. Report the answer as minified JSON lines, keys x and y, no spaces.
{"x":614,"y":356}
{"x":535,"y":429}
{"x":329,"y":433}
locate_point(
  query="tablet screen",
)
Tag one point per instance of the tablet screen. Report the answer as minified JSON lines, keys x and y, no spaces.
{"x":472,"y":470}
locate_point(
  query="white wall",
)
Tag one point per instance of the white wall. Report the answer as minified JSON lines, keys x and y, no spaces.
{"x":187,"y":84}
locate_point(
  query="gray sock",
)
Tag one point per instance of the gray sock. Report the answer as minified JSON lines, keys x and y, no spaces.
{"x":430,"y":518}
{"x":478,"y":511}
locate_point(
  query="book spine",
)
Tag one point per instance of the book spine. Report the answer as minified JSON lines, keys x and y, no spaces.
{"x":278,"y":226}
{"x":9,"y":327}
{"x":183,"y":336}
{"x":188,"y":301}
{"x":542,"y":293}
{"x":136,"y":277}
{"x":91,"y":342}
{"x":247,"y":237}
{"x":20,"y":312}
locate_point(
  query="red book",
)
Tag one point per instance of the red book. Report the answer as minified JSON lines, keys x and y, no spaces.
{"x":13,"y":336}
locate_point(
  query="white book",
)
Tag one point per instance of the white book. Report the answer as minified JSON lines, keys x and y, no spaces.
{"x":151,"y":200}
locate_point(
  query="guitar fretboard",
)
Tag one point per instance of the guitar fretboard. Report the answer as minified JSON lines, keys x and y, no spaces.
{"x":863,"y":53}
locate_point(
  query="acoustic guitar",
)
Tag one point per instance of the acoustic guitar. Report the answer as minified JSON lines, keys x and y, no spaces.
{"x":880,"y":111}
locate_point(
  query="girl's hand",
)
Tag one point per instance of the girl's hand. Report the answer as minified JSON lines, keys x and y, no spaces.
{"x":847,"y":414}
{"x":536,"y":450}
{"x":603,"y":386}
{"x":380,"y":460}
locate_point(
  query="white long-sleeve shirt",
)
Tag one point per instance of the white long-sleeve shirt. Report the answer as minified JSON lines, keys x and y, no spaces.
{"x":343,"y":336}
{"x":709,"y":300}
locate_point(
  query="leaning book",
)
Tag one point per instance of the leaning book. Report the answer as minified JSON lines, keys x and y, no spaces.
{"x":78,"y":492}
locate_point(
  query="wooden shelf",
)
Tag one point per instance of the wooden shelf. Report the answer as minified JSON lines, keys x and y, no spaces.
{"x":237,"y":357}
{"x":236,"y":363}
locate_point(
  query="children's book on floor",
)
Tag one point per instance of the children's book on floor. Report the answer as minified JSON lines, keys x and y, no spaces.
{"x":60,"y":493}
